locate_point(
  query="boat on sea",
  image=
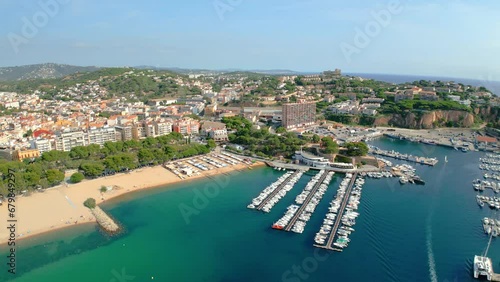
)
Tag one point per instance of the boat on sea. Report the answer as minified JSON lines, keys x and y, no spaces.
{"x":483,"y":267}
{"x":482,"y":263}
{"x":464,"y":149}
{"x":445,"y":159}
{"x":418,"y":180}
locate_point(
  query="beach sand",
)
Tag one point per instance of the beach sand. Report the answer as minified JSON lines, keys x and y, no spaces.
{"x":63,"y":206}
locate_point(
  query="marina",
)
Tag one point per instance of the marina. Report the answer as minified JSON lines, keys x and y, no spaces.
{"x":491,"y":226}
{"x":276,"y":195}
{"x":298,"y":214}
{"x":481,"y":185}
{"x":347,"y":217}
{"x":406,"y":157}
{"x":270,"y":191}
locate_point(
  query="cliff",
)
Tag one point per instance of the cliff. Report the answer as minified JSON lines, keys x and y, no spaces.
{"x":488,"y":114}
{"x":427,"y":120}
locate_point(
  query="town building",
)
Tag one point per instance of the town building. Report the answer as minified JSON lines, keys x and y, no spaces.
{"x":215,"y":130}
{"x":42,"y":145}
{"x":299,"y":114}
{"x":124,"y":132}
{"x":67,"y":140}
{"x":101,"y":135}
{"x":20,"y":155}
{"x":186,"y":126}
{"x":162,"y":127}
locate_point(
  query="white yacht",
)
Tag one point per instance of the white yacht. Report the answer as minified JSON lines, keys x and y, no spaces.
{"x":482,"y":267}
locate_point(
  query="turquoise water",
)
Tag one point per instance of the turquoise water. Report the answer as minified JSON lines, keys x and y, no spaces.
{"x":404,"y":233}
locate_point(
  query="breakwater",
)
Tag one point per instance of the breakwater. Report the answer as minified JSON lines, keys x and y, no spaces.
{"x":105,"y":221}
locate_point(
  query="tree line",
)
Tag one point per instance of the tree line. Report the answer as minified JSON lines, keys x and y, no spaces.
{"x":94,"y":161}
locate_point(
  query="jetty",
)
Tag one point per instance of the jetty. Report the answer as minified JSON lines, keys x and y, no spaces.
{"x":405,"y":157}
{"x":306,"y":201}
{"x":338,"y":219}
{"x":104,"y":220}
{"x":277,"y":190}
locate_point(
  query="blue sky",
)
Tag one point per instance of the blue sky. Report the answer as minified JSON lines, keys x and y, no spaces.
{"x":446,"y":38}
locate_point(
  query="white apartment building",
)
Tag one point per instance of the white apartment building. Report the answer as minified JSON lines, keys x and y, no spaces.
{"x":65,"y":141}
{"x":101,"y":135}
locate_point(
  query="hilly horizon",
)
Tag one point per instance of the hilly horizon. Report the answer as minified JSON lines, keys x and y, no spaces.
{"x":54,"y":70}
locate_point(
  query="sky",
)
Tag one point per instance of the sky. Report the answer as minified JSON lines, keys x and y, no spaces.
{"x":418,"y":37}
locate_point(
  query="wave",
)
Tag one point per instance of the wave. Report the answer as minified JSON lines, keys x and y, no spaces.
{"x":430,"y":255}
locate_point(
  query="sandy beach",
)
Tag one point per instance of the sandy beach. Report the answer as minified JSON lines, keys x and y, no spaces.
{"x":62,"y":206}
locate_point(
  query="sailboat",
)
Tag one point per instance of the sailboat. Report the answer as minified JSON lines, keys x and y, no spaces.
{"x":445,"y":159}
{"x":483,"y":265}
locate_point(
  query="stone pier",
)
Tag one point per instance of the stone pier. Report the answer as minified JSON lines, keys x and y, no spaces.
{"x":104,"y":220}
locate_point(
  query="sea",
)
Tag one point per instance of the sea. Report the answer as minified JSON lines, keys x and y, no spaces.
{"x":202,"y":231}
{"x":488,"y":82}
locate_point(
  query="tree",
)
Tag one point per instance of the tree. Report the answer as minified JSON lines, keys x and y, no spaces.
{"x":211,"y":144}
{"x":90,"y":203}
{"x":92,"y":169}
{"x":315,"y":138}
{"x":329,"y":146}
{"x":356,"y":149}
{"x":77,"y":177}
{"x":280,"y":129}
{"x":54,"y":176}
{"x":145,"y":156}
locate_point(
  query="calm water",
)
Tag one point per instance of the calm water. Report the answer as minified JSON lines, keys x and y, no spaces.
{"x":404,"y":233}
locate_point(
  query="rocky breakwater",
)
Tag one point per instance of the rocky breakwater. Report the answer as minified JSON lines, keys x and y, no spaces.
{"x":105,"y":221}
{"x":427,"y":119}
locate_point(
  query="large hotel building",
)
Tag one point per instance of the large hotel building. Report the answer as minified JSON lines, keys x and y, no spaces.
{"x":300,"y":114}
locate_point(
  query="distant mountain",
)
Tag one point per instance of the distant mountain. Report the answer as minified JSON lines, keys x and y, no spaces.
{"x":205,"y":71}
{"x":40,"y":71}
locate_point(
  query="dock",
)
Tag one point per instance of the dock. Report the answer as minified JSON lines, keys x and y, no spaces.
{"x":405,"y":157}
{"x":338,"y":219}
{"x":306,"y":201}
{"x":276,"y":191}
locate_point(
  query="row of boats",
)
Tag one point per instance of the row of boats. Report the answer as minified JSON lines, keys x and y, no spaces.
{"x":213,"y":162}
{"x":489,"y":167}
{"x":237,"y":159}
{"x":491,"y":226}
{"x":299,"y":200}
{"x":495,"y":176}
{"x":480,"y":185}
{"x":405,"y":157}
{"x":349,"y":216}
{"x":281,"y":193}
{"x":378,"y":175}
{"x":493,"y":161}
{"x":227,"y":159}
{"x":333,"y":210}
{"x":493,"y":202}
{"x":268,"y":190}
{"x":198,"y":165}
{"x":493,"y":156}
{"x":305,"y":215}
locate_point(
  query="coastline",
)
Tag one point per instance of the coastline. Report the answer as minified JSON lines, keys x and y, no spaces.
{"x":62,"y":207}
